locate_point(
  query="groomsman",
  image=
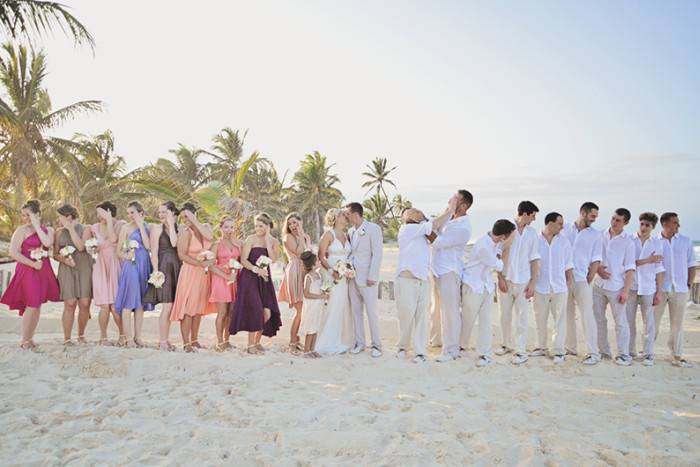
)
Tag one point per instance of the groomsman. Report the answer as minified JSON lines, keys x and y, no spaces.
{"x":446,"y":266}
{"x":680,"y":264}
{"x":478,"y":286}
{"x":646,"y":287}
{"x":366,"y":241}
{"x":517,"y":282}
{"x":587,"y":249}
{"x":412,"y":285}
{"x":613,"y":284}
{"x":552,"y":288}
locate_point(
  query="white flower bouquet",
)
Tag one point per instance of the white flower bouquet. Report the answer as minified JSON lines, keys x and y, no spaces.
{"x":91,"y":245}
{"x":206,"y":255}
{"x":344,"y":269}
{"x":157,"y":279}
{"x":38,"y":254}
{"x":234,"y":265}
{"x":67,"y":251}
{"x":263,"y":262}
{"x":129,"y":246}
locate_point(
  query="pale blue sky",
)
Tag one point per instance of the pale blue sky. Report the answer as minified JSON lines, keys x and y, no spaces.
{"x":556,"y":102}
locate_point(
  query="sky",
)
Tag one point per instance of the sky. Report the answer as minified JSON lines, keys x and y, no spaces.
{"x":554,"y":102}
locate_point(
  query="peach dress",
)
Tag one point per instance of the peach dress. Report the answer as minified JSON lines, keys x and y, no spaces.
{"x":193,"y":285}
{"x":221,"y":291}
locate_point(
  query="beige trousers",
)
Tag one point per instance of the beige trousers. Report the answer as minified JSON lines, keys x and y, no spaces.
{"x":412,"y":302}
{"x":581,"y":297}
{"x":477,"y":305}
{"x":677,"y":303}
{"x":554,"y":304}
{"x":514,"y":299}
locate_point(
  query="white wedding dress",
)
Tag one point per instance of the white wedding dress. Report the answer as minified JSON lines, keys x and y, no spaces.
{"x":337,"y":330}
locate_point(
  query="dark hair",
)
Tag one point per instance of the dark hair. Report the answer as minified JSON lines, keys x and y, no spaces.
{"x":502,"y":227}
{"x":649,"y":217}
{"x":108,"y":206}
{"x":588,"y":206}
{"x":189,"y":207}
{"x":290,"y":216}
{"x":33,"y":205}
{"x":68,"y":210}
{"x":624,"y":213}
{"x":551,"y":217}
{"x":356,"y":207}
{"x":466,"y":197}
{"x":136,"y":205}
{"x":527,"y":207}
{"x":667,"y":216}
{"x":309,"y":260}
{"x":170,"y":206}
{"x":265,"y":218}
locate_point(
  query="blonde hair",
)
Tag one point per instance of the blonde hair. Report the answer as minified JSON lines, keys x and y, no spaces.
{"x":265,"y":219}
{"x":224,"y":219}
{"x":332,"y":216}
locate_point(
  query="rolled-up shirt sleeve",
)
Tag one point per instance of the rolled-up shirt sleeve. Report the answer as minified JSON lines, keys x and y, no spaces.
{"x":692,"y":259}
{"x":630,"y":260}
{"x":452,"y":235}
{"x":534,"y":253}
{"x":568,"y":256}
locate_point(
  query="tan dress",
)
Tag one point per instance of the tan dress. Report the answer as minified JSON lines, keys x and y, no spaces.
{"x":292,"y":287}
{"x":74,"y":282}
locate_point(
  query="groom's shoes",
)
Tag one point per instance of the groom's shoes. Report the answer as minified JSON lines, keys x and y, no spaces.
{"x":376,"y":352}
{"x":357,"y":349}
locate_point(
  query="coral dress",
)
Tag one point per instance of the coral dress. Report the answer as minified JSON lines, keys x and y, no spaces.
{"x":30,"y":288}
{"x":133,"y":280}
{"x":193,"y":285}
{"x":105,"y":271}
{"x":222,"y":291}
{"x":254,"y":294}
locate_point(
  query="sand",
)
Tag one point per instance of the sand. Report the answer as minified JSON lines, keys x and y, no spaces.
{"x":91,"y":405}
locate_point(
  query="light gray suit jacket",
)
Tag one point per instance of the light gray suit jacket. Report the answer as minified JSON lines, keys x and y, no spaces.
{"x":367,"y":244}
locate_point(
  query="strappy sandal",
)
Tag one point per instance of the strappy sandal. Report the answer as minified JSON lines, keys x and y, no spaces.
{"x":26,"y":345}
{"x":316,"y":354}
{"x":68,"y":343}
{"x":196,"y":344}
{"x":81,"y":340}
{"x":294,"y":349}
{"x":220,"y":347}
{"x":122,"y":341}
{"x":228,"y":346}
{"x":260,"y":347}
{"x":188,"y":348}
{"x":139,"y":343}
{"x":165,"y":346}
{"x":104,"y":341}
{"x":253,"y":349}
{"x":171,"y":347}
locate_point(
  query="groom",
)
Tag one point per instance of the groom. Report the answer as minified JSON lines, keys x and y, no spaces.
{"x":366,"y":240}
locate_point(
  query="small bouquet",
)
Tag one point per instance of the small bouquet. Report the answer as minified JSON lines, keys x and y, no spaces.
{"x":91,"y":245}
{"x":344,"y":269}
{"x":234,"y":266}
{"x":326,"y":285}
{"x":129,"y":246}
{"x":157,"y":279}
{"x":38,"y":254}
{"x":263,"y":262}
{"x":67,"y":252}
{"x":206,"y":255}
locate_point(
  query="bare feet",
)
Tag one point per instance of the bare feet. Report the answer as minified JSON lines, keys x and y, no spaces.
{"x":27,"y":345}
{"x":81,"y":340}
{"x":68,"y":343}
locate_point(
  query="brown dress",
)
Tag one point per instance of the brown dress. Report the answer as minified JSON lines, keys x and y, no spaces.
{"x":75,"y":282}
{"x":169,"y":264}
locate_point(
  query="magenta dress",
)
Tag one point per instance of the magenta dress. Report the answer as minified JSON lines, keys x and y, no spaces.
{"x":30,"y":288}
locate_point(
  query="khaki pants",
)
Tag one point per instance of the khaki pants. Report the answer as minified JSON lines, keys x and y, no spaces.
{"x":514,"y":299}
{"x":601,"y":299}
{"x":451,"y":322}
{"x":435,"y":338}
{"x":677,"y":303}
{"x":581,"y":296}
{"x":645,"y":302}
{"x":554,"y":304}
{"x":477,"y":305}
{"x":412,"y":301}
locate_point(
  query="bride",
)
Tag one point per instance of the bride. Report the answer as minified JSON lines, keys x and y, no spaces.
{"x":337,"y":330}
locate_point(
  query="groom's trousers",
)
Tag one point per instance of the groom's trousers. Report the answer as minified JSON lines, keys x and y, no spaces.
{"x":367,"y":298}
{"x":449,"y":287}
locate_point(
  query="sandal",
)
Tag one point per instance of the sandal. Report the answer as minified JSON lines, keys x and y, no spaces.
{"x":81,"y":340}
{"x":197,"y":345}
{"x":104,"y":341}
{"x":139,"y":343}
{"x":220,"y":347}
{"x":68,"y":343}
{"x":228,"y":346}
{"x":171,"y":347}
{"x":253,"y":349}
{"x":164,"y":346}
{"x":188,"y":348}
{"x":26,"y":345}
{"x":122,"y":342}
{"x":260,"y":347}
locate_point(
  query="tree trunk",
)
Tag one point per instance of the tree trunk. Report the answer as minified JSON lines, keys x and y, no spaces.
{"x":19,"y":191}
{"x":318,"y":225}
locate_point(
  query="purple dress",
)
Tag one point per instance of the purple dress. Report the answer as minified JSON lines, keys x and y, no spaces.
{"x":133,"y":279}
{"x":252,"y":296}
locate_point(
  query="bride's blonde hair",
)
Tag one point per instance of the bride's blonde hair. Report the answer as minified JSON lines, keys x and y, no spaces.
{"x":332,"y":216}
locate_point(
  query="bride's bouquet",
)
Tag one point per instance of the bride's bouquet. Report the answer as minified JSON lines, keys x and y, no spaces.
{"x":129,"y":246}
{"x":234,"y":266}
{"x":157,"y":278}
{"x":206,"y":255}
{"x":38,"y":254}
{"x":263,"y":262}
{"x":91,"y":245}
{"x":344,"y":269}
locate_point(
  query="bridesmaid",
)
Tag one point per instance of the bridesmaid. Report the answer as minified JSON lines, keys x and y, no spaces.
{"x":255,"y":309}
{"x":193,"y":285}
{"x":295,"y":242}
{"x":223,"y":280}
{"x":164,"y":258}
{"x":33,"y":282}
{"x":136,"y":268}
{"x":105,"y":270}
{"x":74,"y":272}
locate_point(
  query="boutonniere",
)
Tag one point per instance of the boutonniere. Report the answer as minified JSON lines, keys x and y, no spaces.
{"x":361,"y":232}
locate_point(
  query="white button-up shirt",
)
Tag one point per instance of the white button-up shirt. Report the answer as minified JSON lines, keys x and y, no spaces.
{"x":523,"y":250}
{"x":414,"y":249}
{"x":679,"y":255}
{"x":586,"y":247}
{"x":645,"y":276}
{"x":556,"y":260}
{"x":448,"y":247}
{"x":618,"y":258}
{"x":483,"y":260}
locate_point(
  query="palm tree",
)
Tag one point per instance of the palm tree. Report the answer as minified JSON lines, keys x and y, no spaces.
{"x":376,"y":209}
{"x":26,"y":116}
{"x":314,"y":190}
{"x":28,"y":18}
{"x":174,"y":180}
{"x":400,"y":203}
{"x":227,"y":152}
{"x":378,"y":176}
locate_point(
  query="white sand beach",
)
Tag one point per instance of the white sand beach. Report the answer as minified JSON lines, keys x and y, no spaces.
{"x":91,"y":405}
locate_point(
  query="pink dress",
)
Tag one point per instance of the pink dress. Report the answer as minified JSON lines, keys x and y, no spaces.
{"x":221,"y":291}
{"x":30,"y":288}
{"x":105,"y":271}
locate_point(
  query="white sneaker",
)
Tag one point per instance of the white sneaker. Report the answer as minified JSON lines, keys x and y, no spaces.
{"x":590,"y":360}
{"x":376,"y":352}
{"x":648,"y":360}
{"x":483,"y":361}
{"x":558,"y":359}
{"x":623,"y":360}
{"x":519,"y":359}
{"x":357,"y":349}
{"x":462,"y":353}
{"x":445,"y":357}
{"x":538,"y":353}
{"x":401,"y":354}
{"x":502,"y":350}
{"x":679,"y":362}
{"x":418,"y":359}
